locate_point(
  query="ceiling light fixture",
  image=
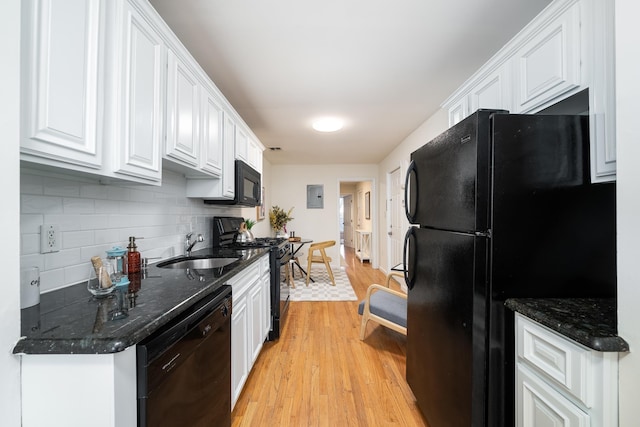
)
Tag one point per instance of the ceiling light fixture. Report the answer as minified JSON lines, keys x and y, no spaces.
{"x":328,"y":124}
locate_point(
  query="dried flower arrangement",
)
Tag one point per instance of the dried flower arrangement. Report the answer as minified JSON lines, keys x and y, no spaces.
{"x":279,"y":218}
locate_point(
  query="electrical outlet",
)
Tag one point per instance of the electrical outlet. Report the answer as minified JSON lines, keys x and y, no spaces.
{"x":49,"y":238}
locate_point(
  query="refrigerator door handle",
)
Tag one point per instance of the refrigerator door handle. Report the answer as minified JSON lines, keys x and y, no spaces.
{"x":409,"y":258}
{"x":411,"y":192}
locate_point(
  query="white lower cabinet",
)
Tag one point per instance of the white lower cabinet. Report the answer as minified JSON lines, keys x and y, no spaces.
{"x":562,"y":383}
{"x":97,"y":390}
{"x":265,"y":279}
{"x":541,"y":405}
{"x":247,"y":324}
{"x":239,"y":346}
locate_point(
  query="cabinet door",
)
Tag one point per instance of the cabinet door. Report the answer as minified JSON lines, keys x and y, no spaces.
{"x":600,"y":30}
{"x":140,"y":99}
{"x":228,"y":154}
{"x":242,"y":144}
{"x":254,"y":155}
{"x":266,"y":295}
{"x":257,"y":327}
{"x":493,"y":92}
{"x":549,"y":64}
{"x":239,"y":347}
{"x":212,"y":134}
{"x":458,"y":111}
{"x":538,"y":404}
{"x":182,"y":112}
{"x":61,"y":91}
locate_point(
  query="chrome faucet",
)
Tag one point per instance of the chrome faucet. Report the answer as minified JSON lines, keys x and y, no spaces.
{"x":188,"y":244}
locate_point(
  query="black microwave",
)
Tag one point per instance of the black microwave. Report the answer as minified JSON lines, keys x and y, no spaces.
{"x":248,"y":188}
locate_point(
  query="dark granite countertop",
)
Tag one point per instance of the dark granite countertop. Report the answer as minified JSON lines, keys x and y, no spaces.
{"x":72,"y":321}
{"x":589,"y":321}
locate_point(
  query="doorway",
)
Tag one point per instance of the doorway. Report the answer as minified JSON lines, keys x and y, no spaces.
{"x":358,"y":215}
{"x":397,"y":224}
{"x":346,"y":221}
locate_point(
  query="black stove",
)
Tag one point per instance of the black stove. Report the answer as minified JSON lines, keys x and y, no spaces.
{"x":225,"y":235}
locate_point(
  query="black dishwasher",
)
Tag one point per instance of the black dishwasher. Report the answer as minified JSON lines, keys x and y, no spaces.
{"x":184,"y":369}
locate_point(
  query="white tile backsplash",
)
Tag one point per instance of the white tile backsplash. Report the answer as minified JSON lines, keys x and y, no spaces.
{"x":61,"y":187}
{"x":94,"y":217}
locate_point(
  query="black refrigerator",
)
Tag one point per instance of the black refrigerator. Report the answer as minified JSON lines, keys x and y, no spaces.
{"x":503,"y":207}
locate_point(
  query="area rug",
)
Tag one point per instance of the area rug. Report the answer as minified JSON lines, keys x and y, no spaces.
{"x":322,"y":289}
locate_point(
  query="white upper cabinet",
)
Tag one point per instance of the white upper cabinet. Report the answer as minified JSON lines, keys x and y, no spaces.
{"x":212,"y":133}
{"x":599,"y":24}
{"x":139,"y":61}
{"x":242,"y":144}
{"x":61,"y":92}
{"x":228,"y":182}
{"x":222,"y":187}
{"x":458,"y":110}
{"x":248,"y":149}
{"x":109,"y":90}
{"x":548,"y":65}
{"x":93,"y":96}
{"x":493,"y":91}
{"x":566,"y":49}
{"x":183,"y":112}
{"x":254,"y":154}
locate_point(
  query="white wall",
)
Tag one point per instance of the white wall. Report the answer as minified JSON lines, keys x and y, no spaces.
{"x":289,"y":189}
{"x":627,"y":96}
{"x":10,"y":224}
{"x":428,"y":130}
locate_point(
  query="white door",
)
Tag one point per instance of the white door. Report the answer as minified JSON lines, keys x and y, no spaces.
{"x":348,"y":221}
{"x":396,"y":228}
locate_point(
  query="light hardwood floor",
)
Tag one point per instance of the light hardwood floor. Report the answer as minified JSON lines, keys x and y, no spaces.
{"x":319,"y":373}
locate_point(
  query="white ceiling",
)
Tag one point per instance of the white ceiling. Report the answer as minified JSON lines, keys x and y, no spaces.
{"x":384,"y":66}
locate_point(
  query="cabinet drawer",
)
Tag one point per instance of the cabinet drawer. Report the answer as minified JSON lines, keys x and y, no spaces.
{"x":563,"y":362}
{"x":241,"y":282}
{"x":539,"y":404}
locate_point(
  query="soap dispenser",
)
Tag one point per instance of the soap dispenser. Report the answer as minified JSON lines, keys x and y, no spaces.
{"x":133,"y":256}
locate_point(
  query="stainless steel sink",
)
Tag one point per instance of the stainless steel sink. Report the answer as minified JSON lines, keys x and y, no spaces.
{"x":197,"y":262}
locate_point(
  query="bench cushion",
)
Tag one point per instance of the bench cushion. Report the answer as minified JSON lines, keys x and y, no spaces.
{"x":387,"y":306}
